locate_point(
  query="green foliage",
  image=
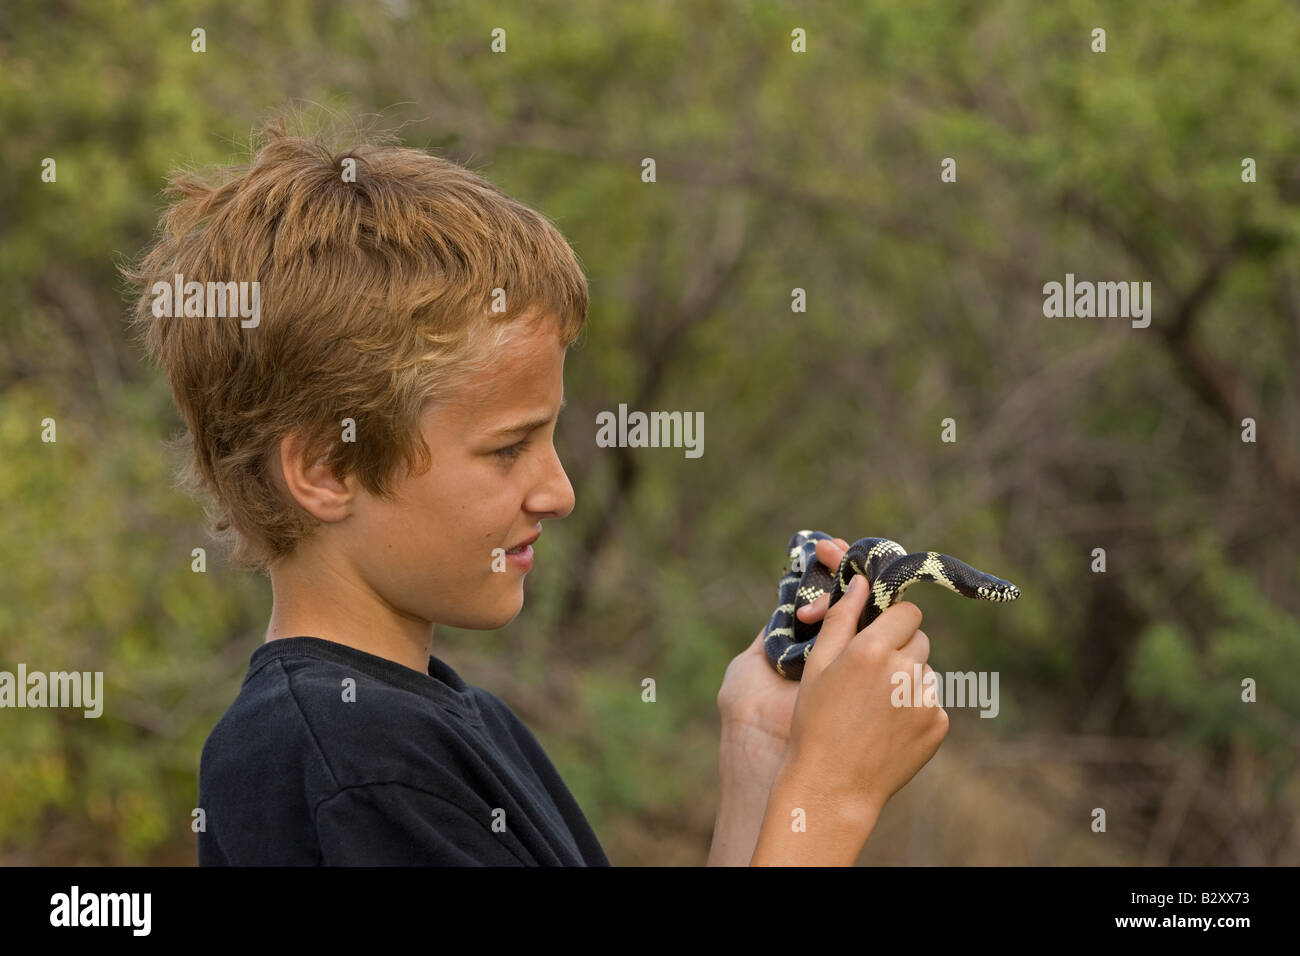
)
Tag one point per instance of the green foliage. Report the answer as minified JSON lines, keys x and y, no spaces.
{"x":1197,"y":691}
{"x":98,"y":578}
{"x":924,"y":302}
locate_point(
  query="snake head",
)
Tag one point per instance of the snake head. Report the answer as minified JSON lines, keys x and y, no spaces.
{"x":996,"y":590}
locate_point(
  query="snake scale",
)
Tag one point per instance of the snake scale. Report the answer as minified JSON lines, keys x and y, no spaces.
{"x":891,"y":570}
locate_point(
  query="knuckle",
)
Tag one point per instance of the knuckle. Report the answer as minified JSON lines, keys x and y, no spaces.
{"x":841,"y":609}
{"x":941,"y":722}
{"x":908,"y":613}
{"x":871,"y":654}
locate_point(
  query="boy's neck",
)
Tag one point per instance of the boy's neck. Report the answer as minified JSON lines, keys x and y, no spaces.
{"x":319,"y":602}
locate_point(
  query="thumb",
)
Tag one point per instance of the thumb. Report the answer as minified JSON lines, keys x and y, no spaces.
{"x":839,"y":627}
{"x":830,"y":555}
{"x":812,"y":613}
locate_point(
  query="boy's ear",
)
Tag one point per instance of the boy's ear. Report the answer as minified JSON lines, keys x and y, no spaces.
{"x":312,"y":484}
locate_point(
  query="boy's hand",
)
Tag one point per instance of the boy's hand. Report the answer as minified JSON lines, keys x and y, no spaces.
{"x":847,"y":739}
{"x":757,"y":706}
{"x":757,"y":703}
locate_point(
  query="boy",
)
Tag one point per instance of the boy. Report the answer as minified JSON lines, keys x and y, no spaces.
{"x":378,"y":439}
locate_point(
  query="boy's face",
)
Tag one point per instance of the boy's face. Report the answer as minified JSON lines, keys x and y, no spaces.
{"x":428,"y":555}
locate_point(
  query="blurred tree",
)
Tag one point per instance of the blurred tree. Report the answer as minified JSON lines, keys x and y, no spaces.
{"x":775,"y":170}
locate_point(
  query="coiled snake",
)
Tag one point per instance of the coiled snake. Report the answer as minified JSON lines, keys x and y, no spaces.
{"x":788,"y":641}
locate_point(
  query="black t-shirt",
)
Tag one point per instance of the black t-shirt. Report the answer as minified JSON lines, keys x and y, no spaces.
{"x":398,"y":768}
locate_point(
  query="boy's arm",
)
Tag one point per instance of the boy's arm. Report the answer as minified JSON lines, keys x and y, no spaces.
{"x":744,"y":783}
{"x":830,"y":832}
{"x":755,"y":822}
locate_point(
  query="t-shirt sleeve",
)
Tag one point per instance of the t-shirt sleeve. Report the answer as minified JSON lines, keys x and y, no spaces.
{"x":393,"y":824}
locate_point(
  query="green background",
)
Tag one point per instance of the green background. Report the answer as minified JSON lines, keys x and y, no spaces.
{"x":775,"y":170}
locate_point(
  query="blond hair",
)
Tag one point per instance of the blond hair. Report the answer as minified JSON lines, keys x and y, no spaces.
{"x":376,"y":298}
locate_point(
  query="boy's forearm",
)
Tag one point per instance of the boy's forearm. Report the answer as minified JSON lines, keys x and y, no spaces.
{"x":740,"y":816}
{"x":804,"y":826}
{"x":747,"y":766}
{"x":756,"y":821}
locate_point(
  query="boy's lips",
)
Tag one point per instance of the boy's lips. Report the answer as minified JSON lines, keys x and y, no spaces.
{"x":523,"y":544}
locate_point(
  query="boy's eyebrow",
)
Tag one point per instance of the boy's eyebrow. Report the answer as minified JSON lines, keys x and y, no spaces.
{"x":528,"y":425}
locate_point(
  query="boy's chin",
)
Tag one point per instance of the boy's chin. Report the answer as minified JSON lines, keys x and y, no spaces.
{"x":512,"y":605}
{"x":495,"y":616}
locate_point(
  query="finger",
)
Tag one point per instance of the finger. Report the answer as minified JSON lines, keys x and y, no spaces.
{"x":839,"y":628}
{"x":926,"y":699}
{"x":814,"y":612}
{"x":895,"y":627}
{"x":918,"y":646}
{"x":934,"y":701}
{"x":829,"y":554}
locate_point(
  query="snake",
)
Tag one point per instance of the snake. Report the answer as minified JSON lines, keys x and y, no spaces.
{"x":788,"y":641}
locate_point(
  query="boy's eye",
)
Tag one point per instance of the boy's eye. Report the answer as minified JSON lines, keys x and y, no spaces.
{"x":513,"y":451}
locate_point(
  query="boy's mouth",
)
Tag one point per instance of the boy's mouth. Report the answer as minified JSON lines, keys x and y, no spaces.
{"x":523,"y":545}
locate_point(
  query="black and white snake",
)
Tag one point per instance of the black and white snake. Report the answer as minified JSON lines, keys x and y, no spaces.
{"x":891,"y":570}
